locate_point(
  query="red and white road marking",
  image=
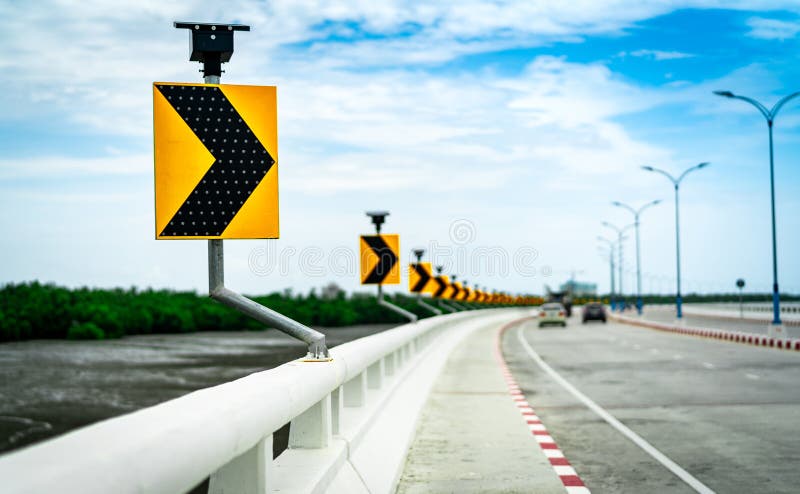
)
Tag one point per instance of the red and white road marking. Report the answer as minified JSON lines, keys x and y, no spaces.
{"x":719,"y":334}
{"x":571,"y":480}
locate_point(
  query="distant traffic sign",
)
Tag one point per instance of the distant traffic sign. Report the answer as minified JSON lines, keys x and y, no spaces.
{"x":457,"y":290}
{"x":216,"y":171}
{"x":379,"y":259}
{"x":420,"y":279}
{"x":442,"y":286}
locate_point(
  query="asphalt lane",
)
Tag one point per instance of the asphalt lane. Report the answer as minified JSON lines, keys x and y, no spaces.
{"x":724,"y":412}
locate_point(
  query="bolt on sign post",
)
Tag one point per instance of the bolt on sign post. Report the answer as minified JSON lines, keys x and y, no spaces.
{"x":216,"y":169}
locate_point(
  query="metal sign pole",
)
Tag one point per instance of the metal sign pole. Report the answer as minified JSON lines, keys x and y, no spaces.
{"x":215,"y":47}
{"x":378,"y":217}
{"x":418,"y":253}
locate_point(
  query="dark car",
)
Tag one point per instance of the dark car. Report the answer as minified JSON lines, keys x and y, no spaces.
{"x":594,"y":312}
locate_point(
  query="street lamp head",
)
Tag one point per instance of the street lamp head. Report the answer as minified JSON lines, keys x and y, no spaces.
{"x":726,"y":94}
{"x":703,"y":165}
{"x":616,"y":203}
{"x":418,"y":254}
{"x":648,"y":168}
{"x":657,"y":201}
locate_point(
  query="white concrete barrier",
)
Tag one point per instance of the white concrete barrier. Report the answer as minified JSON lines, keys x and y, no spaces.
{"x":352,"y":420}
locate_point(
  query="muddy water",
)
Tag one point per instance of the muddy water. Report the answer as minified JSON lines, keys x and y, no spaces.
{"x":48,"y":387}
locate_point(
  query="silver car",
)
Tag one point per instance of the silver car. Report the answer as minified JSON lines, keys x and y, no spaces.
{"x":553,"y":313}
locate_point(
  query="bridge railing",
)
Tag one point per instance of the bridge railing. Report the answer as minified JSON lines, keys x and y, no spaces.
{"x":224,"y":432}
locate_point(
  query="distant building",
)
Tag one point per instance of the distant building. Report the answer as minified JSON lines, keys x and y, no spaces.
{"x":579,"y":288}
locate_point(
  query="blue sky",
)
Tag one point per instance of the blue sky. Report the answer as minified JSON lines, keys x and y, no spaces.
{"x":514,"y":124}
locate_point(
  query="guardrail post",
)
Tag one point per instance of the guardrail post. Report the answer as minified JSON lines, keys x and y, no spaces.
{"x":312,"y":428}
{"x":248,"y":473}
{"x":336,"y":410}
{"x":389,"y":364}
{"x":355,"y":391}
{"x":375,"y":375}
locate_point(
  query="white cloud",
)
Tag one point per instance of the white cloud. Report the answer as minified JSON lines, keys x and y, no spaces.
{"x":764,"y":28}
{"x":658,"y":55}
{"x":365,"y":122}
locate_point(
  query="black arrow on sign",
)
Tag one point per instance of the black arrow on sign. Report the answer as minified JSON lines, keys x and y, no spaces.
{"x":456,"y":291}
{"x":441,"y":288}
{"x":240,"y":161}
{"x":424,"y":277}
{"x":386,"y":259}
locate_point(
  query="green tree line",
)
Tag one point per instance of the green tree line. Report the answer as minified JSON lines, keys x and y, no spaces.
{"x":35,"y":310}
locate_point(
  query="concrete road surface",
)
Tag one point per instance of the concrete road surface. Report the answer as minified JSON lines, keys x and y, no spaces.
{"x":724,"y":414}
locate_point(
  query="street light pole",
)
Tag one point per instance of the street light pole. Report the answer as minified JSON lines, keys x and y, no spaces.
{"x":611,"y":267}
{"x":770,"y":116}
{"x":620,"y":238}
{"x":636,"y":214}
{"x":676,"y":182}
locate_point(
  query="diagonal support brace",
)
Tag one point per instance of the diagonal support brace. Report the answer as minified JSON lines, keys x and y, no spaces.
{"x":399,"y":310}
{"x":317,"y":349}
{"x":428,"y":306}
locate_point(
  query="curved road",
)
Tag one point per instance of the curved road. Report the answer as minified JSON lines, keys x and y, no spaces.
{"x":725,"y":414}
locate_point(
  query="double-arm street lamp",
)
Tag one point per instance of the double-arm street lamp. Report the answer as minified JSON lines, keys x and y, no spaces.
{"x":770,"y":116}
{"x":620,"y":237}
{"x":676,"y":182}
{"x":636,"y":214}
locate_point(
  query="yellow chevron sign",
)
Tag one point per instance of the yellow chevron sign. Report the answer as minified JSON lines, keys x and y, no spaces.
{"x":420,"y":278}
{"x":458,"y":290}
{"x":380,"y":256}
{"x":441,"y":286}
{"x":216,"y":152}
